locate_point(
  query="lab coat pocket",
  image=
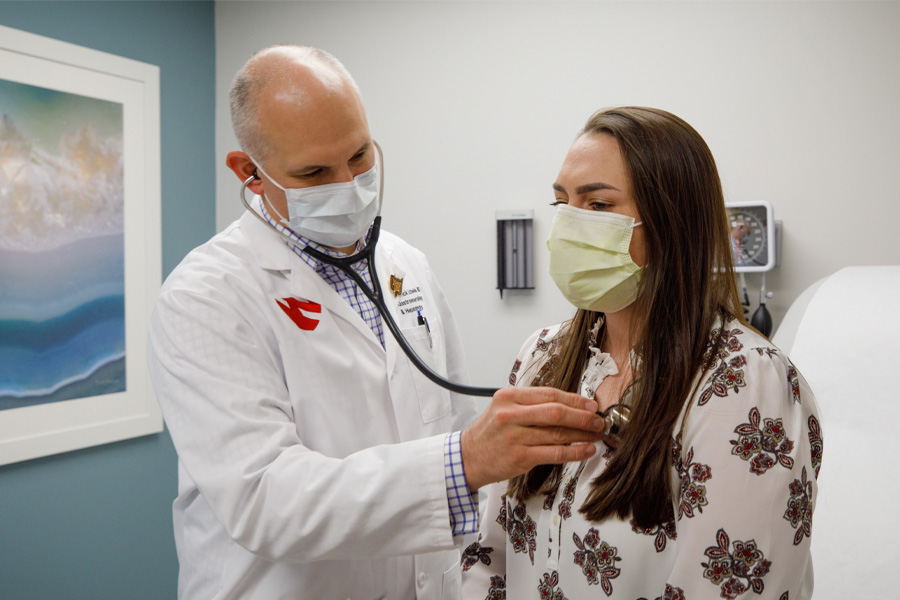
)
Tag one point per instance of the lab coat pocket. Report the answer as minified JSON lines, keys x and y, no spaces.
{"x":452,"y":583}
{"x":434,"y":401}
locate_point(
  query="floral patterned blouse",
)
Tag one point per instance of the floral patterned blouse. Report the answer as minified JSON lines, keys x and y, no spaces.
{"x":745,"y":461}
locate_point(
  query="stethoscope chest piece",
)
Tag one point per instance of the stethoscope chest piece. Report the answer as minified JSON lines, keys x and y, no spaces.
{"x":615,"y":418}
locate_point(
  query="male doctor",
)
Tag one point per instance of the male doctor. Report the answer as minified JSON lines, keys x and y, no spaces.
{"x":315,"y":462}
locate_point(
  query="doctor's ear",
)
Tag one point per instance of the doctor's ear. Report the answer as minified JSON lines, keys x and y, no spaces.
{"x":243,"y":167}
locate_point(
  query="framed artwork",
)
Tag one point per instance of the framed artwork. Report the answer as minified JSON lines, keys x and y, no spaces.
{"x":80,"y":250}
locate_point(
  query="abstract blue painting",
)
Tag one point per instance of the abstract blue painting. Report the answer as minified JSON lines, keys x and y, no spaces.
{"x":62,"y":264}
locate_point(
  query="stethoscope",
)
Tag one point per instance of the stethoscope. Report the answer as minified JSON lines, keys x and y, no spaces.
{"x":375,"y":295}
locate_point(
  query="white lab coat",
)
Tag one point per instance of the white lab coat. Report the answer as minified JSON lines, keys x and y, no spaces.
{"x":310,"y":461}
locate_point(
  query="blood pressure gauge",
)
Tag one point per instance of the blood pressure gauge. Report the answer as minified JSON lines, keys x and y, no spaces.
{"x":753,"y":239}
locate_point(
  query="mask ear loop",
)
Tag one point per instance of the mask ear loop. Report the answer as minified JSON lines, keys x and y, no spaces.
{"x":256,"y":176}
{"x":246,"y":204}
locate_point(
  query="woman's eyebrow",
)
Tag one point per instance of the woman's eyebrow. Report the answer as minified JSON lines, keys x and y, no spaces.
{"x":594,"y":187}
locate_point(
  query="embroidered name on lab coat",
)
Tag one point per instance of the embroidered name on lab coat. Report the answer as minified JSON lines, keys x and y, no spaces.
{"x":294,"y":308}
{"x":411,"y":301}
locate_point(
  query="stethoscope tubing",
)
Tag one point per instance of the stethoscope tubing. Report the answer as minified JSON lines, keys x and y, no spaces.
{"x":376,"y":296}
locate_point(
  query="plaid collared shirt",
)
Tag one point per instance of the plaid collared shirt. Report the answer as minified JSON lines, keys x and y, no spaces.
{"x":463,"y":505}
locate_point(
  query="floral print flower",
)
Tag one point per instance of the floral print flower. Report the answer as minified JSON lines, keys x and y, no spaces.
{"x":662,"y":532}
{"x":747,"y":446}
{"x":721,"y":343}
{"x":728,"y":374}
{"x":547,"y":587}
{"x":700,"y":473}
{"x":673,"y":593}
{"x":693,"y":496}
{"x":514,"y":372}
{"x":501,"y":518}
{"x":733,"y":588}
{"x":799,"y":507}
{"x":773,"y":429}
{"x":717,"y":570}
{"x":729,"y":569}
{"x":475,"y":553}
{"x":597,"y":560}
{"x":548,"y":347}
{"x":738,"y":361}
{"x":693,"y":476}
{"x":815,"y":444}
{"x":497,"y":590}
{"x":761,"y":463}
{"x":565,"y":506}
{"x":765,"y":445}
{"x":722,"y":380}
{"x":544,"y":345}
{"x":732,"y":343}
{"x":728,"y":378}
{"x":746,"y":554}
{"x":794,"y":380}
{"x":521,"y":529}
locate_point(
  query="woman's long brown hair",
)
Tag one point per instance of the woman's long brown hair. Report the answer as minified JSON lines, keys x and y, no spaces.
{"x":687,"y":285}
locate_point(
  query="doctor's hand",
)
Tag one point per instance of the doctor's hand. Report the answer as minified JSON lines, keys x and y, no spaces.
{"x":528,"y":426}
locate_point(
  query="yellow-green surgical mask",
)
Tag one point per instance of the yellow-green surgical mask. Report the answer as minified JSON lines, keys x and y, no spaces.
{"x":589,"y":258}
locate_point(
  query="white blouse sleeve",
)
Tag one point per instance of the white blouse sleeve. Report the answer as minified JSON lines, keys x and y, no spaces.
{"x":746,"y":463}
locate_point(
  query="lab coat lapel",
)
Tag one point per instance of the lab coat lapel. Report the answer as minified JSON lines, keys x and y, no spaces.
{"x":269,"y":248}
{"x":309,"y":285}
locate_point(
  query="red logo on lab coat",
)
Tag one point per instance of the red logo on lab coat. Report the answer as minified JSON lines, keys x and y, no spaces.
{"x":294,"y":309}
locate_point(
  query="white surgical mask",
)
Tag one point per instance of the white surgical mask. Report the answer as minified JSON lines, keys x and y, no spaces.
{"x":334,"y":214}
{"x":589,"y":258}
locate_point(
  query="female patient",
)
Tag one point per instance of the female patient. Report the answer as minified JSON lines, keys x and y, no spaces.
{"x":705,"y":482}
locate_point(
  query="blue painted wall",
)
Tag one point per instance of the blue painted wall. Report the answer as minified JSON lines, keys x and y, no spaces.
{"x":97,"y":523}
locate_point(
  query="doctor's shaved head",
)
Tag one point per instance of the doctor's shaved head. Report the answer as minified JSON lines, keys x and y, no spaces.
{"x":283,"y":73}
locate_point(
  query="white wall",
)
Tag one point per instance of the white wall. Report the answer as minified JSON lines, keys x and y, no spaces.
{"x":476,"y":103}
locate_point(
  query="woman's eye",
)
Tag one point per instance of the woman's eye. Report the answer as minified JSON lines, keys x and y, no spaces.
{"x":557,"y":202}
{"x":599,"y":205}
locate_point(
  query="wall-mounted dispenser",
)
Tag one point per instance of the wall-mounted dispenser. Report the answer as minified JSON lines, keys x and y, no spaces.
{"x":515,"y":250}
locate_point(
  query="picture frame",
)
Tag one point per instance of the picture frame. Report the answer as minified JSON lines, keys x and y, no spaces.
{"x":41,"y":343}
